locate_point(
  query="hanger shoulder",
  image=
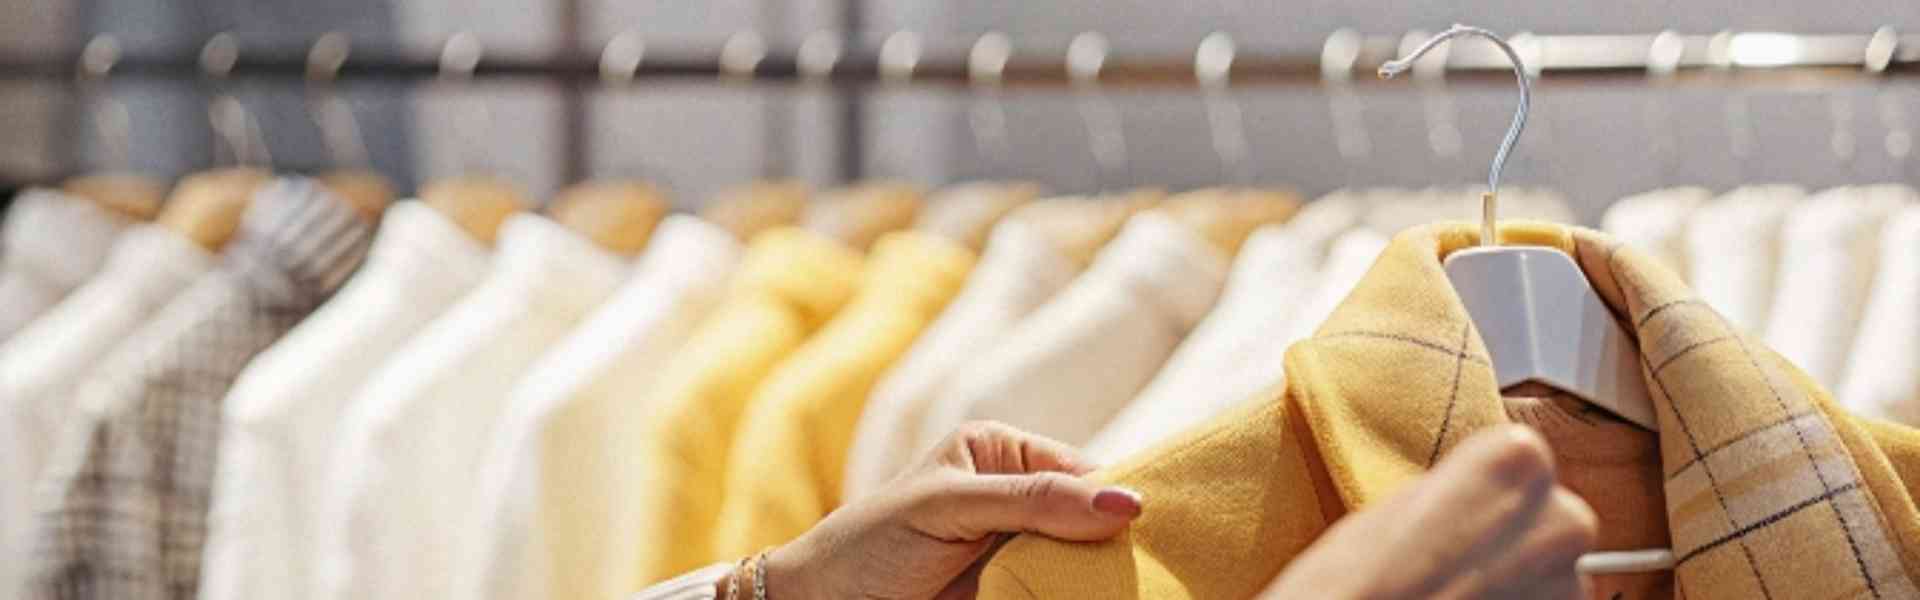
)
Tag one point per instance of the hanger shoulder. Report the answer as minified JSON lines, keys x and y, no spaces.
{"x":206,"y":207}
{"x":477,"y":204}
{"x":619,"y":216}
{"x":131,"y":195}
{"x":747,"y":210}
{"x":1542,"y":321}
{"x":368,"y":192}
{"x":965,"y":212}
{"x":1225,"y":216}
{"x":860,"y":214}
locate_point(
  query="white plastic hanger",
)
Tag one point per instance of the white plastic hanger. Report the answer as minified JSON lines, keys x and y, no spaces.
{"x":1534,"y":308}
{"x":1540,"y":317}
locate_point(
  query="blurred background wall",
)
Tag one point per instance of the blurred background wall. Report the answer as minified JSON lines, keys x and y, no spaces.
{"x":1594,"y":142}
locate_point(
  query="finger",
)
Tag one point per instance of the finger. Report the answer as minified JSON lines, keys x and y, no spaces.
{"x":1478,"y":501}
{"x":1055,"y":504}
{"x":996,"y":448}
{"x":1542,"y":563}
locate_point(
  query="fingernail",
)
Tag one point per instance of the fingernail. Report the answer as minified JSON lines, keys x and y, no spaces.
{"x":1118,"y":501}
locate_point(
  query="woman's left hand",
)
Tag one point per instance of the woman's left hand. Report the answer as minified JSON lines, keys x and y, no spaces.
{"x":924,"y":535}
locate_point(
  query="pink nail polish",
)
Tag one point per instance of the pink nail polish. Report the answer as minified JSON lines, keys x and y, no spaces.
{"x":1118,"y":501}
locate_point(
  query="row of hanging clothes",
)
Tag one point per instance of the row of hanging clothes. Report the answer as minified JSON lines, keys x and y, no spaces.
{"x":291,"y":387}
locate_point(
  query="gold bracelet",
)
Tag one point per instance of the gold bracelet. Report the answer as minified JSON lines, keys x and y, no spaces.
{"x":760,"y":575}
{"x":733,"y":579}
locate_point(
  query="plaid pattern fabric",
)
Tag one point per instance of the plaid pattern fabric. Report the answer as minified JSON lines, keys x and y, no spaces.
{"x":122,"y":510}
{"x":1772,"y":491}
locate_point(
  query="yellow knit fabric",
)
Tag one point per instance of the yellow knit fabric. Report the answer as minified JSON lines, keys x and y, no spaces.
{"x":1771,"y":489}
{"x":789,"y":458}
{"x":790,"y":283}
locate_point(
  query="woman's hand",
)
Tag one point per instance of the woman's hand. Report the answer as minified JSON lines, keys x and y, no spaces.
{"x":923,"y":535}
{"x":1489,"y":522}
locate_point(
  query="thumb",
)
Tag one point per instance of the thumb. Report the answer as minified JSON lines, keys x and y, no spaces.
{"x":1048,"y":503}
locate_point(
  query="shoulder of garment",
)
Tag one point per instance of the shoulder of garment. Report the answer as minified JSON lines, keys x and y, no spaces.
{"x":1367,"y":408}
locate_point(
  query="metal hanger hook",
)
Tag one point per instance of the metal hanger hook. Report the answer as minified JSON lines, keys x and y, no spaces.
{"x":1400,"y":65}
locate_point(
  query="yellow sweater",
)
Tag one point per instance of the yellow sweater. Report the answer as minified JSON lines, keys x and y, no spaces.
{"x":790,"y":282}
{"x":790,"y":455}
{"x":1771,"y":490}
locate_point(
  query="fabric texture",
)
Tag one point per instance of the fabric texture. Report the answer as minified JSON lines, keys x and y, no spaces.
{"x":1655,"y":223}
{"x":409,"y":452}
{"x":281,"y":420}
{"x":1771,"y":490}
{"x":1075,"y":362}
{"x":1019,"y":270}
{"x":1829,"y":245}
{"x":1881,"y":380}
{"x":1733,"y":251}
{"x":1234,"y":351}
{"x":555,"y":516}
{"x":122,"y":508}
{"x":42,"y":365}
{"x":790,"y":282}
{"x":50,"y":244}
{"x":788,"y":462}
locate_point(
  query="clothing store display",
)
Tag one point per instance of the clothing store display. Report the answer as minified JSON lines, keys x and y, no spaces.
{"x":1828,"y":247}
{"x":1074,"y":362}
{"x":42,"y":365}
{"x":560,"y":482}
{"x":1019,"y":270}
{"x":1348,"y":260}
{"x":1880,"y":380}
{"x":281,"y":420}
{"x":391,"y":528}
{"x":52,"y":243}
{"x":1218,"y":365}
{"x":1771,"y":490}
{"x":786,"y":469}
{"x":123,"y":505}
{"x":1655,"y":223}
{"x":1733,"y":250}
{"x":790,"y":283}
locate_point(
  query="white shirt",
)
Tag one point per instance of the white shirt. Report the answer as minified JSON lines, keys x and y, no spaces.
{"x":1828,"y":250}
{"x":408,"y":460}
{"x":557,"y":489}
{"x":1217,"y":367}
{"x":1019,"y":270}
{"x":1881,"y":380}
{"x":1655,"y":223}
{"x":280,"y":420}
{"x":1733,"y":247}
{"x":52,"y":243}
{"x":42,"y":366}
{"x":1072,"y":364}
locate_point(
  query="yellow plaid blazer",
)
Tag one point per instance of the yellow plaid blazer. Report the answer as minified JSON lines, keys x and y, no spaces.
{"x":1772,"y":490}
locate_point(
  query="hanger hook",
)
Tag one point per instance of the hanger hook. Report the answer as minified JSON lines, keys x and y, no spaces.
{"x":1400,"y":65}
{"x":339,"y":128}
{"x":1106,"y":138}
{"x":986,"y":116}
{"x":112,"y":122}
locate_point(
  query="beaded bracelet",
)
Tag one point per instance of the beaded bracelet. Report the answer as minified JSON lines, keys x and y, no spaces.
{"x":733,"y":579}
{"x":760,"y":575}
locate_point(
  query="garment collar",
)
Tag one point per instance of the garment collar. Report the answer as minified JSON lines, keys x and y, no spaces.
{"x":1762,"y":470}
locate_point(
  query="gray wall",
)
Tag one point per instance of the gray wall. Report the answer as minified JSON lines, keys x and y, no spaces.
{"x":1596,"y":143}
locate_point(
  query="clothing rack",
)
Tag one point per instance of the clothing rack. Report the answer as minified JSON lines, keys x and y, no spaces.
{"x":993,"y":59}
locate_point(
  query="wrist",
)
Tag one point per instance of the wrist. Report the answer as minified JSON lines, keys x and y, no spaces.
{"x":789,"y":576}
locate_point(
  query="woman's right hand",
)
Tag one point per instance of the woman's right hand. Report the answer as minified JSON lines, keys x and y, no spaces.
{"x":1490,"y":522}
